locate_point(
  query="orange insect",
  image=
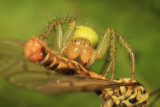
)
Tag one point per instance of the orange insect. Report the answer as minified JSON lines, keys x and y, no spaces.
{"x":37,"y":52}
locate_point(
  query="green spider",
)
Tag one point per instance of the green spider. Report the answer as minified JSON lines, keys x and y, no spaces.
{"x":78,"y":42}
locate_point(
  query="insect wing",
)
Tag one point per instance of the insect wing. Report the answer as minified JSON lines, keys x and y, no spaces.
{"x":10,"y":55}
{"x":17,"y":69}
{"x":76,"y":84}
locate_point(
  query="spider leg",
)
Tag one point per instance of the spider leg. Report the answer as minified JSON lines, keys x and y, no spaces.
{"x":51,"y":42}
{"x":130,"y":52}
{"x":108,"y":69}
{"x":61,"y":40}
{"x":59,"y":36}
{"x":44,"y":35}
{"x":112,"y":52}
{"x":101,"y":48}
{"x":68,"y":35}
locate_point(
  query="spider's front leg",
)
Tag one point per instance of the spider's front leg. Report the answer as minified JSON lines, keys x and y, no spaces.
{"x":107,"y":40}
{"x":102,"y":47}
{"x":68,"y":35}
{"x":57,"y":25}
{"x":130,"y":52}
{"x":115,"y":35}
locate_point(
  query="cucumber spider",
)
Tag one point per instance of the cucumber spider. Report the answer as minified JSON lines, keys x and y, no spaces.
{"x":78,"y":42}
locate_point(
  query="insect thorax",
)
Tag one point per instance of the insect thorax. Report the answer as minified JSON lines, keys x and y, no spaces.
{"x":126,"y":96}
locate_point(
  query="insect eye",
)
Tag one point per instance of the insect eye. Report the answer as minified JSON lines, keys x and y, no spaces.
{"x":144,"y":92}
{"x":124,"y":105}
{"x":133,"y":100}
{"x":145,"y":102}
{"x":120,"y":93}
{"x":99,"y":92}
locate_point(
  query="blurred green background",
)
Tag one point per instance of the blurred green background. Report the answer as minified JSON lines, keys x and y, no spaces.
{"x":137,"y":20}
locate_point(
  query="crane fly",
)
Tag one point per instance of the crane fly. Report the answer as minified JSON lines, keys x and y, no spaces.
{"x":118,"y":93}
{"x":81,"y":79}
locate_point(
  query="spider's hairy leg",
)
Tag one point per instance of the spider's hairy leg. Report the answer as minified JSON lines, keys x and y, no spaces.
{"x":108,"y":69}
{"x":52,"y":38}
{"x":112,"y":51}
{"x":102,"y":47}
{"x":68,"y":35}
{"x":44,"y":35}
{"x":130,"y":52}
{"x":59,"y":36}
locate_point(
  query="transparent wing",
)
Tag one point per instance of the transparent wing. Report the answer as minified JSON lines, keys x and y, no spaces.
{"x":17,"y":69}
{"x":78,"y":83}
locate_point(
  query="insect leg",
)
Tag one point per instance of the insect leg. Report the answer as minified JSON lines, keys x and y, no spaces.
{"x":130,"y":52}
{"x":102,"y":47}
{"x":155,"y":99}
